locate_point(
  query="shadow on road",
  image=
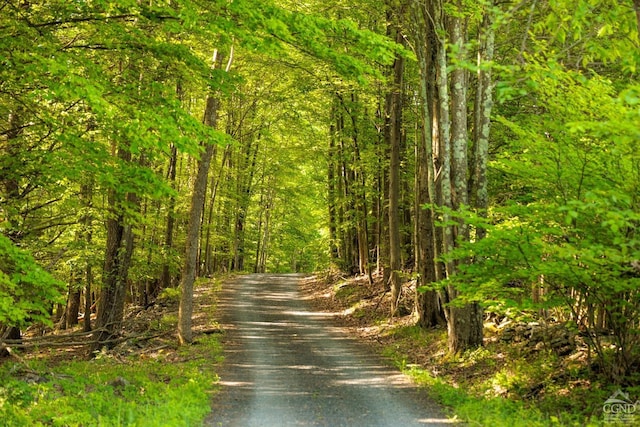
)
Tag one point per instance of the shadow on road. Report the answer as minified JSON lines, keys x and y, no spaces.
{"x":287,"y":365}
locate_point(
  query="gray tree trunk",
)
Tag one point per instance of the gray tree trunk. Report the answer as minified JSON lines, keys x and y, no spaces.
{"x":185,"y":310}
{"x":427,"y":304}
{"x":463,"y":329}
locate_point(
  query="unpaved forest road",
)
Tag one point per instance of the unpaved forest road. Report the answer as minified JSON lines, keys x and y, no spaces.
{"x":288,"y":366}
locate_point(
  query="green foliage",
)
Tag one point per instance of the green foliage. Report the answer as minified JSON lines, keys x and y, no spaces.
{"x":171,"y":295}
{"x":27,"y":291}
{"x":106,"y":391}
{"x":474,"y":407}
{"x":592,"y":32}
{"x":102,"y":91}
{"x":569,"y":226}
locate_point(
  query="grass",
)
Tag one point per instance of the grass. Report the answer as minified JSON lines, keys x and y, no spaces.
{"x":160,"y":385}
{"x":488,"y":388}
{"x":501,"y":384}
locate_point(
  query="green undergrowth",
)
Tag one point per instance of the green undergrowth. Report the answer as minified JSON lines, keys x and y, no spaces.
{"x":165,"y":385}
{"x":108,"y":391}
{"x":492,"y":386}
{"x":501,"y":384}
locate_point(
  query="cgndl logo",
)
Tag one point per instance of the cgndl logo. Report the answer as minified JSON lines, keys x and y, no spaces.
{"x":619,"y":407}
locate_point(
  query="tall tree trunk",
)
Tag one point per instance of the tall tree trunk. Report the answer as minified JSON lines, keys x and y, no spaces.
{"x":256,"y":267}
{"x":185,"y":334}
{"x":465,"y":323}
{"x":210,"y":259}
{"x":394,"y":109}
{"x":483,"y":106}
{"x":359,"y":205}
{"x":264,"y":238}
{"x":118,"y":254}
{"x":116,"y":265}
{"x":73,"y":302}
{"x":165,"y":277}
{"x":348,"y":214}
{"x":12,"y":193}
{"x":205,"y":253}
{"x":383,"y":198}
{"x":87,"y":197}
{"x":245,"y":186}
{"x":428,"y":307}
{"x":332,"y":194}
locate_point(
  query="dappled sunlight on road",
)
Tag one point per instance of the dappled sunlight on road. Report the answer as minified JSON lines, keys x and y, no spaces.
{"x":286,"y":365}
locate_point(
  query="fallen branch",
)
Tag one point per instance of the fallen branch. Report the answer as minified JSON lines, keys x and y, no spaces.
{"x":210,"y":331}
{"x":44,"y":342}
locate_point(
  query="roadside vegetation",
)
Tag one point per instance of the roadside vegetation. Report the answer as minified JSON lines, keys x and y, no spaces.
{"x":484,"y":153}
{"x":145,"y":380}
{"x":513,"y":380}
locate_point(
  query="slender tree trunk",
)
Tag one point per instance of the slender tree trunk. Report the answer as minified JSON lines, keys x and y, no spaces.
{"x":350,"y":255}
{"x":256,"y":267}
{"x":465,"y":323}
{"x":383,"y":199}
{"x":165,"y":278}
{"x":193,"y":230}
{"x":191,"y":251}
{"x":118,"y":254}
{"x":88,"y":298}
{"x":359,"y":206}
{"x":393,"y":110}
{"x":208,"y":225}
{"x":73,"y":303}
{"x":332,"y":194}
{"x":245,"y":186}
{"x":428,"y":307}
{"x":266,"y":233}
{"x":484,"y":104}
{"x":185,"y":334}
{"x":87,"y":197}
{"x":210,"y":258}
{"x":395,"y":261}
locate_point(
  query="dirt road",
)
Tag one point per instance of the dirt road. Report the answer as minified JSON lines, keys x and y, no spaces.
{"x":288,"y":366}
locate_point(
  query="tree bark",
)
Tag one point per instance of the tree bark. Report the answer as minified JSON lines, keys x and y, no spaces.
{"x":87,"y":197}
{"x":118,"y":254}
{"x":73,"y":303}
{"x":428,"y":307}
{"x":245,"y":186}
{"x":465,"y":327}
{"x":484,"y":104}
{"x":165,"y":277}
{"x":395,"y":121}
{"x":332,"y":194}
{"x":185,"y":310}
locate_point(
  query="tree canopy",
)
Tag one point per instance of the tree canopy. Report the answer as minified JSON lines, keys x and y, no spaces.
{"x":485,"y":151}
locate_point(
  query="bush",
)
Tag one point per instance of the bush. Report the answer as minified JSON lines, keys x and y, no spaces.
{"x":27,"y":291}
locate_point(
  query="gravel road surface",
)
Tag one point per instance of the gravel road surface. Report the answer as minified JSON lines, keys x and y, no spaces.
{"x":286,"y":365}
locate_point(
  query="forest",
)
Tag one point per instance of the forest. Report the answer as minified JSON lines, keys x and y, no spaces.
{"x":480,"y":160}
